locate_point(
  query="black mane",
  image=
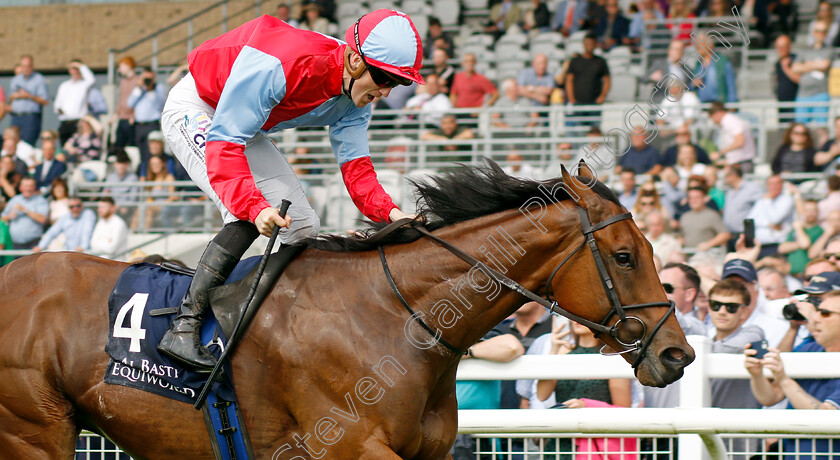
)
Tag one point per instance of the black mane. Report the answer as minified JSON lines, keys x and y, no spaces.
{"x":461,"y":194}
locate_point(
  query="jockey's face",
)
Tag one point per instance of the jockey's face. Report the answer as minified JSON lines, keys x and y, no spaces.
{"x":366,"y":91}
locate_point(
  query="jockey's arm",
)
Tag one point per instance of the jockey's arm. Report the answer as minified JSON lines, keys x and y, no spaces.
{"x":348,"y":137}
{"x":234,"y":123}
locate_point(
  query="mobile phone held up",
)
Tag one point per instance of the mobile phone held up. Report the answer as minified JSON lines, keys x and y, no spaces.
{"x":749,"y":233}
{"x":760,"y":347}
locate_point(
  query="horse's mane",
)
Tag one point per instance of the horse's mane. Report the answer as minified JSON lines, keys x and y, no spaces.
{"x":458,"y":195}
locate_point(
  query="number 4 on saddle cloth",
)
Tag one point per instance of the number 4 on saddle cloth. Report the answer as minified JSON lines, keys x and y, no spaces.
{"x":143,"y":304}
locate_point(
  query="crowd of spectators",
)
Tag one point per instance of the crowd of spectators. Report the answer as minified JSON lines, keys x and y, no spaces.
{"x":76,"y":150}
{"x":745,"y":305}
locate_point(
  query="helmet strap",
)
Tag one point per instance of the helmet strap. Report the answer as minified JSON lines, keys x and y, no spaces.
{"x":354,"y":72}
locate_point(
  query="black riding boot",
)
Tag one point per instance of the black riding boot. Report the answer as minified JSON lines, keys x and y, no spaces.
{"x":182,"y":342}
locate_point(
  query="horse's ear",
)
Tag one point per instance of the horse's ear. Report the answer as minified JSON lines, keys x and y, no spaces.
{"x":573,"y":187}
{"x":585,"y":171}
{"x":586,"y":176}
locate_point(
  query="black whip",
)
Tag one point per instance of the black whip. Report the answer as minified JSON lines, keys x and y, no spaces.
{"x":234,"y":336}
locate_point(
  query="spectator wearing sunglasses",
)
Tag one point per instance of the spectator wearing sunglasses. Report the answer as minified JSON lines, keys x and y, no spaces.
{"x":682,"y":284}
{"x":816,"y":288}
{"x":744,"y":272}
{"x":728,"y":300}
{"x":820,"y":394}
{"x":76,"y":227}
{"x":262,"y":77}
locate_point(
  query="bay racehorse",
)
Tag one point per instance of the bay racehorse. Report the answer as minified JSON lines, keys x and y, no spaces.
{"x":333,"y":366}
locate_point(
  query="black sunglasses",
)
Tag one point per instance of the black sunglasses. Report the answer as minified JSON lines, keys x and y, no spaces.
{"x":836,"y":255}
{"x":382,"y":78}
{"x":385,"y":79}
{"x":732,"y":308}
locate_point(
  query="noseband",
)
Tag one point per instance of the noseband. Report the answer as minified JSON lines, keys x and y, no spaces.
{"x":632,"y":341}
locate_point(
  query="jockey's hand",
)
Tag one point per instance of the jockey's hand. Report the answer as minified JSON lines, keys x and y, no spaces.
{"x":268,"y":218}
{"x":396,"y":215}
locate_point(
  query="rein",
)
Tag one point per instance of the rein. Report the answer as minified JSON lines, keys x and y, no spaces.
{"x":632,"y":342}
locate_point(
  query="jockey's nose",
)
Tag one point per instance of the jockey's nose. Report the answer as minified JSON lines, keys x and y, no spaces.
{"x":385,"y":91}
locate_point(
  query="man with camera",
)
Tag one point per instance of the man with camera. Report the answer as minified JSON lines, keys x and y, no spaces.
{"x":147,"y":100}
{"x":800,"y":311}
{"x":801,"y":393}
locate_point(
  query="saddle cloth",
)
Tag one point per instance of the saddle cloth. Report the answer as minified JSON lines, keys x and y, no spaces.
{"x":134,"y":333}
{"x":136,"y":363}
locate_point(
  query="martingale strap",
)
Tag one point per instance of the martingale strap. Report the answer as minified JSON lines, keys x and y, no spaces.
{"x":410,"y":311}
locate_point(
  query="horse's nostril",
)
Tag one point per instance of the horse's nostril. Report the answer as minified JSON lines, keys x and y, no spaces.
{"x":676,"y":357}
{"x":676,"y":354}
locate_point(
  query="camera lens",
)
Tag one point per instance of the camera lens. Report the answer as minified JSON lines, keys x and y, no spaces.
{"x":791,"y":313}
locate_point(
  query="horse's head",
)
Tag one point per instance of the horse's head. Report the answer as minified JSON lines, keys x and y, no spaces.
{"x":610,"y":281}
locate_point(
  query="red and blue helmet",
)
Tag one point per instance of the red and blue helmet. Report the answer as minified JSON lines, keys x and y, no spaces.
{"x":388,"y":40}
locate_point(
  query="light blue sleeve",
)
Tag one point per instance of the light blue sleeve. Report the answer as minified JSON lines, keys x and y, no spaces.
{"x":348,"y":135}
{"x":42,"y":91}
{"x":42,"y":206}
{"x":53,"y":232}
{"x":521,"y":79}
{"x":88,"y":222}
{"x":635,"y":27}
{"x":255,"y":86}
{"x":134,"y":97}
{"x":9,"y":206}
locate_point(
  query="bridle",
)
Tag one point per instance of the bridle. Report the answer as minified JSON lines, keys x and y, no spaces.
{"x":632,"y":341}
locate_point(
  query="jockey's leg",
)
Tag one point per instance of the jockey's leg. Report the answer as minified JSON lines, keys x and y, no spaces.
{"x":182,"y":342}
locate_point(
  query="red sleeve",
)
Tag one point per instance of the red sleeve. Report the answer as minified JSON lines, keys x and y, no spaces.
{"x":365,"y":190}
{"x":232,"y":180}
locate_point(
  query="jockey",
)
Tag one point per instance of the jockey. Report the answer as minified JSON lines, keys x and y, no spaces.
{"x":262,"y":77}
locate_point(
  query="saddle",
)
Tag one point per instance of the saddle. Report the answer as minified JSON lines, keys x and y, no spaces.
{"x":228,"y":301}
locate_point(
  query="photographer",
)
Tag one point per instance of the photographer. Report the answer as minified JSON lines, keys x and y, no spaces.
{"x":801,"y":393}
{"x":147,"y":100}
{"x":798,"y":311}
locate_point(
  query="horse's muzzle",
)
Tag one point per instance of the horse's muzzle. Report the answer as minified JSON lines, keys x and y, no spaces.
{"x":666,"y":368}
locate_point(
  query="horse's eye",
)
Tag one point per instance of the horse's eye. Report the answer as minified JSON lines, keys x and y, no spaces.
{"x":624,"y":259}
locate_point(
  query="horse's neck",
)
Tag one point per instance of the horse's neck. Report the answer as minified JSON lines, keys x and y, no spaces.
{"x":462,"y":302}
